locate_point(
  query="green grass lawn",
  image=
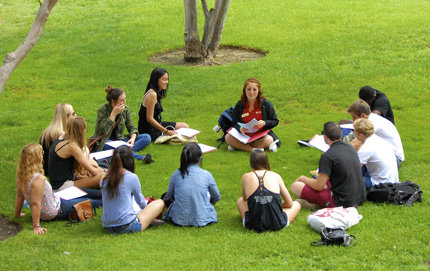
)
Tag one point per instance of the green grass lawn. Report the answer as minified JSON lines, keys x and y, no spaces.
{"x":319,"y":54}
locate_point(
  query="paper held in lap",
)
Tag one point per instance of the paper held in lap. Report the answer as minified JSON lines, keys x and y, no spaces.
{"x":101,"y":154}
{"x":70,"y":193}
{"x":188,"y":132}
{"x":116,"y":143}
{"x":245,"y":139}
{"x":318,"y":142}
{"x":249,"y":126}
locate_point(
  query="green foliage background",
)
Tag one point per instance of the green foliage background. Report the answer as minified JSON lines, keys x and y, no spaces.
{"x":319,"y":54}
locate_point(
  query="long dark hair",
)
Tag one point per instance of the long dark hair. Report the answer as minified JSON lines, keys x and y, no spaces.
{"x":153,"y":83}
{"x":259,"y":160}
{"x":191,"y":154}
{"x":122,"y":159}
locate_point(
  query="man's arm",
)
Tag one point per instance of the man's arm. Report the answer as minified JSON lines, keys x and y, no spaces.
{"x":316,"y":184}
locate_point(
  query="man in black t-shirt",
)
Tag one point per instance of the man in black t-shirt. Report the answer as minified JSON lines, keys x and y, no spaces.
{"x":377,"y":101}
{"x":340,"y":181}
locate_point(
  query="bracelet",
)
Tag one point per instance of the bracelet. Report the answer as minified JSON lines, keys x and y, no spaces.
{"x":36,"y":225}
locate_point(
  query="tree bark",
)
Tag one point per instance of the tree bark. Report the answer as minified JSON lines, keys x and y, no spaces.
{"x":193,"y":48}
{"x":13,"y":59}
{"x":221,"y":14}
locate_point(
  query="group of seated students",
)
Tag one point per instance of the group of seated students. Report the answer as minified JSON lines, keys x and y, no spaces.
{"x":265,"y":204}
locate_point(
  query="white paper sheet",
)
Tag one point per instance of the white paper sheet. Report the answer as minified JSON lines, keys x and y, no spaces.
{"x":249,"y":126}
{"x":318,"y":142}
{"x":101,"y":154}
{"x":347,"y":126}
{"x":70,"y":193}
{"x":206,"y":148}
{"x":116,"y":143}
{"x":238,"y":135}
{"x":188,"y":132}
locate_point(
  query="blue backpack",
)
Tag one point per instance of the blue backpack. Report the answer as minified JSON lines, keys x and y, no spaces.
{"x":225,"y":122}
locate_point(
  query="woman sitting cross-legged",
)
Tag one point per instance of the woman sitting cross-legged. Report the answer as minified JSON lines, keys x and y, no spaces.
{"x":112,"y":118}
{"x":193,"y":191}
{"x":66,"y":157}
{"x":253,"y":105}
{"x":151,"y":109}
{"x":33,"y":187}
{"x":260,"y":206}
{"x":119,"y":190}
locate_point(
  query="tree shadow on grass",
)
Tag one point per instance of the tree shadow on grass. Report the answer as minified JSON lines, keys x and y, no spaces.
{"x":8,"y":228}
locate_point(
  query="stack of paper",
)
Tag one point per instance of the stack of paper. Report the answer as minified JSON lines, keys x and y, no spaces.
{"x":70,"y":193}
{"x":188,"y":132}
{"x":116,"y":143}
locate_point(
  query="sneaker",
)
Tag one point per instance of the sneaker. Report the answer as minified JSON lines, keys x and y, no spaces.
{"x":273,"y":147}
{"x":306,"y":204}
{"x":157,"y":222}
{"x":230,"y":148}
{"x":147,"y":159}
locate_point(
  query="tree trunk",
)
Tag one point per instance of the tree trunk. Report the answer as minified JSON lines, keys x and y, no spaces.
{"x":214,"y":24}
{"x":13,"y":59}
{"x":193,"y":48}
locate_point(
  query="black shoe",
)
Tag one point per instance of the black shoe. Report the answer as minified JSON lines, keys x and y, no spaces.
{"x":148,"y":159}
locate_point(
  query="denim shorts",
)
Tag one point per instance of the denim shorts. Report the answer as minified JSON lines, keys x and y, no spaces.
{"x":131,"y":227}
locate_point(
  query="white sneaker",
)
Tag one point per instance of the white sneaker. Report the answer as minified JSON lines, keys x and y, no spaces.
{"x":273,"y":147}
{"x":230,"y":148}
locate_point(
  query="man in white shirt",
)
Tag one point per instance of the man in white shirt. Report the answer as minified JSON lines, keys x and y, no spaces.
{"x":376,"y":154}
{"x":382,"y":127}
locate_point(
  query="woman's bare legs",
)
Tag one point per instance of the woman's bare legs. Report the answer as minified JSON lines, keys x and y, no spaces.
{"x":293,"y":211}
{"x":150,"y":212}
{"x":263,"y":142}
{"x":237,"y":144}
{"x":242,"y":206}
{"x":90,"y":182}
{"x":181,"y":125}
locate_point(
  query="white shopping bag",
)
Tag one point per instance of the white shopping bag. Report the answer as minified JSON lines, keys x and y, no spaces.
{"x":337,"y":217}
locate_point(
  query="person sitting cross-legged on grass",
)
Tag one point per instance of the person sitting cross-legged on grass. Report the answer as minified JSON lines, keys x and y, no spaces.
{"x":260,"y":206}
{"x":119,"y":190}
{"x":340,"y":181}
{"x":112,"y":118}
{"x":376,"y":155}
{"x":150,"y":109}
{"x":33,"y":187}
{"x":193,"y":191}
{"x":253,"y":105}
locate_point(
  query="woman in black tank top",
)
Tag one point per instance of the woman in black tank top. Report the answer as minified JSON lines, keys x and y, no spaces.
{"x":260,"y":206}
{"x":150,"y":109}
{"x":66,"y":157}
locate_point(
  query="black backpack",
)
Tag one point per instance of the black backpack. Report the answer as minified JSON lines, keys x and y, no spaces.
{"x":335,"y":237}
{"x":225,"y":122}
{"x":405,"y":193}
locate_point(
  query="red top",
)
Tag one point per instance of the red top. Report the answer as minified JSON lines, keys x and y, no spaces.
{"x":254,"y":114}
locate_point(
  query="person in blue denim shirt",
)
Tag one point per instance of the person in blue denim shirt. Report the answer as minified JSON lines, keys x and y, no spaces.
{"x":118,"y":191}
{"x":193,"y":191}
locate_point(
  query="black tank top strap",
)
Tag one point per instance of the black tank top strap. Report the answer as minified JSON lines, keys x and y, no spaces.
{"x":260,"y":181}
{"x":67,"y":143}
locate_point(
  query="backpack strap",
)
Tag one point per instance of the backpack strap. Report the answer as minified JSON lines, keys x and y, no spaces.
{"x":415,"y":196}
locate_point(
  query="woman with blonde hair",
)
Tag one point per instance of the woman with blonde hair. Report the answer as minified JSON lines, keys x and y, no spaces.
{"x":66,"y":155}
{"x":32,"y":186}
{"x":63,"y":112}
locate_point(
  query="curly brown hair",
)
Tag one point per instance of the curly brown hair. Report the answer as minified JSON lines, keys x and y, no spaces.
{"x":30,"y":162}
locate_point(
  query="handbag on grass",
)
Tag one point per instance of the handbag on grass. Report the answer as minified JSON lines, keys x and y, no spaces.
{"x":335,"y":237}
{"x":81,"y":212}
{"x":175,"y":139}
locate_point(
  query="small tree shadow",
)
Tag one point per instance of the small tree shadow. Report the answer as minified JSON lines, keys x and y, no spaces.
{"x":8,"y":228}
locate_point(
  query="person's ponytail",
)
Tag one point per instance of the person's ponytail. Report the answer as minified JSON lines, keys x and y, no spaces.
{"x":191,"y":154}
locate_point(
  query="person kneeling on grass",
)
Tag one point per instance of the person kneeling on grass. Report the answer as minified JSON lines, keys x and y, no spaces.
{"x":118,"y":191}
{"x":376,"y":156}
{"x":193,"y":191}
{"x":32,"y":186}
{"x":260,"y":206}
{"x":340,"y":181}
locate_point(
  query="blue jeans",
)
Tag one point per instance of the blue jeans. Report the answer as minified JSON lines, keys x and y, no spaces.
{"x":141,"y":142}
{"x":366,"y":177}
{"x":67,"y":205}
{"x":131,"y":227}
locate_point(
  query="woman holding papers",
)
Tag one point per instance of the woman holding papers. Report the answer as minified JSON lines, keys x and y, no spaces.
{"x":66,"y":157}
{"x":112,"y":118}
{"x":151,"y":109}
{"x":33,"y":187}
{"x":193,"y":191}
{"x":119,"y":190}
{"x":63,"y":112}
{"x":253,"y":108}
{"x":260,"y":206}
